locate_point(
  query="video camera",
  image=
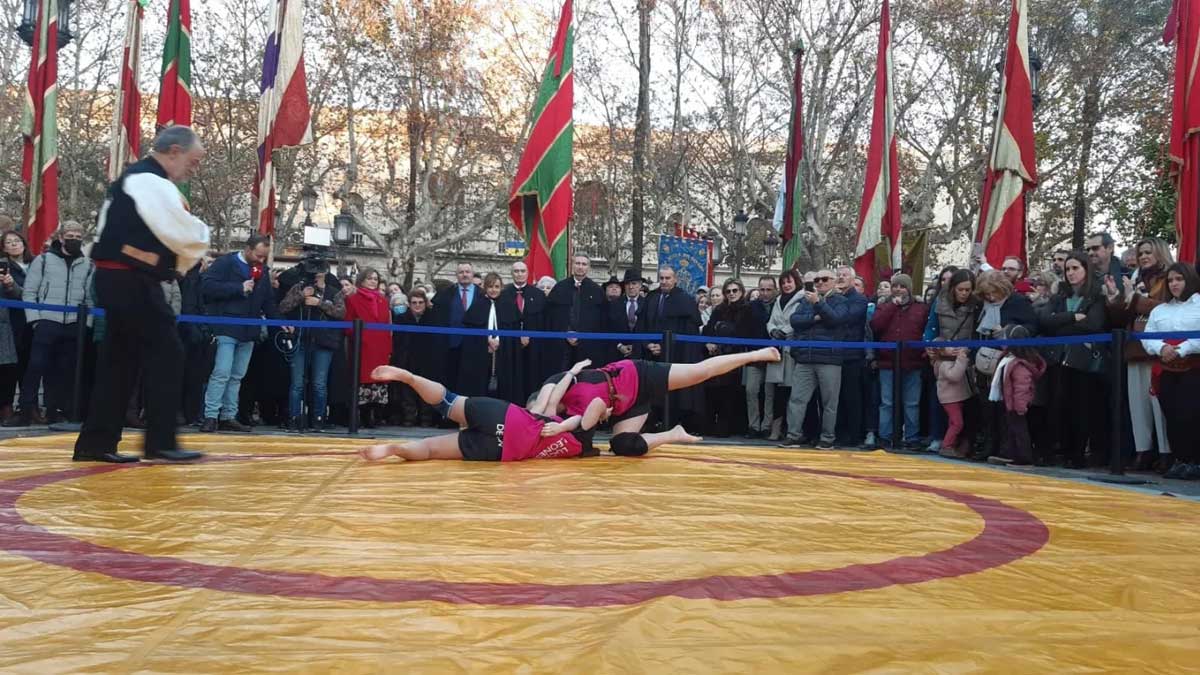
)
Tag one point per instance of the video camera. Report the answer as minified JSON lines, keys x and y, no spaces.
{"x":315,"y":260}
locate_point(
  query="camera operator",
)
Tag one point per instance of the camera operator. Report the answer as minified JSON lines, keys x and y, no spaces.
{"x":310,"y":298}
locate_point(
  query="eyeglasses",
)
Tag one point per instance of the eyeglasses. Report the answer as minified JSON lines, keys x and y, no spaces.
{"x":732,"y":291}
{"x":1010,"y":269}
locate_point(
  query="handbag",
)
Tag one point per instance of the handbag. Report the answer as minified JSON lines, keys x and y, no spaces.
{"x":987,"y":358}
{"x":1086,"y":357}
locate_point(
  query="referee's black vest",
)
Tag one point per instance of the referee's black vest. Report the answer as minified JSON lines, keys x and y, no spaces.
{"x":125,"y":237}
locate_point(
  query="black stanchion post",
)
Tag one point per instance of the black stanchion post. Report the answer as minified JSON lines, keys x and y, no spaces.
{"x":667,"y":347}
{"x":355,"y":365}
{"x":897,"y":399}
{"x":80,"y":355}
{"x":1116,"y":416}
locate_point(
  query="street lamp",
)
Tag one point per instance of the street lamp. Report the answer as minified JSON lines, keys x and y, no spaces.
{"x":739,"y":232}
{"x":718,"y":250}
{"x":308,"y":197}
{"x":771,"y":247}
{"x":29,"y":14}
{"x":343,"y":232}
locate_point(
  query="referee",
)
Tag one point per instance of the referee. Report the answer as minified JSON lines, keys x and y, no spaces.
{"x":145,"y":235}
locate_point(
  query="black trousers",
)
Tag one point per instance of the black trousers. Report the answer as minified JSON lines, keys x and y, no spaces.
{"x":1177,"y":394}
{"x":52,"y":363}
{"x":139,"y":331}
{"x":851,"y":406}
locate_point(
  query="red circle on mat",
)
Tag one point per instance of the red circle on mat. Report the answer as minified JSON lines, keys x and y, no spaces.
{"x":1008,"y":534}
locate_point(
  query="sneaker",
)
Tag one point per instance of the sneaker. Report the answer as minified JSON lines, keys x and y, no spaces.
{"x":792,"y":443}
{"x":209,"y":425}
{"x":318,"y":425}
{"x":870,"y":439}
{"x":1192,"y":473}
{"x":825,"y":445}
{"x":295,"y":424}
{"x":999,"y":461}
{"x":934,"y":447}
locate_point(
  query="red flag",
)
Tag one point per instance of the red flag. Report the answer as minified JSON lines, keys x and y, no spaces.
{"x":127,"y":109}
{"x":1184,"y":28}
{"x":877,"y":253}
{"x":1012,"y":165}
{"x":39,"y":128}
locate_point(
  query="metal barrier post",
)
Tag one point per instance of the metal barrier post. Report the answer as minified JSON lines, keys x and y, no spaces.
{"x":897,"y":399}
{"x":80,"y":355}
{"x":668,"y":343}
{"x":355,"y":365}
{"x":1116,"y":415}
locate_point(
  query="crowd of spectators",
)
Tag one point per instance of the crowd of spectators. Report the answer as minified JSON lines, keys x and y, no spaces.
{"x":1046,"y":405}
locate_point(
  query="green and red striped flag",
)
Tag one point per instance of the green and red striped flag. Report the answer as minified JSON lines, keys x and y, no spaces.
{"x":39,"y":129}
{"x":540,"y":203}
{"x":175,"y":97}
{"x":789,"y":209}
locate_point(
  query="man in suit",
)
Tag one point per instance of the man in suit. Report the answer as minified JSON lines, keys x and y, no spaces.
{"x":449,"y":307}
{"x":575,"y":305}
{"x":623,"y":314}
{"x":670,"y":308}
{"x":520,"y":372}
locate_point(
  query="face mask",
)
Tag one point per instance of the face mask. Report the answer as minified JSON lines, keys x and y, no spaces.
{"x":399,"y":309}
{"x":72,"y":246}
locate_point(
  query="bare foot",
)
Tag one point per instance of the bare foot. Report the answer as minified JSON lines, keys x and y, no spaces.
{"x":769,"y":354}
{"x":391,"y":373}
{"x":680,"y":435}
{"x":377,"y":452}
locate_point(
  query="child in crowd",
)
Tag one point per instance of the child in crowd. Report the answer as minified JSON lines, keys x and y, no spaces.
{"x":1017,"y":376}
{"x":950,"y":366}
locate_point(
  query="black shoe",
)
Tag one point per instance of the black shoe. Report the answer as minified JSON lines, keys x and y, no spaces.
{"x":21,"y":419}
{"x":825,"y":445}
{"x":233,"y":425}
{"x":295,"y":424}
{"x":175,"y":455}
{"x":1178,"y":471}
{"x":209,"y":425}
{"x":110,"y":457}
{"x":55,"y":416}
{"x":318,"y":425}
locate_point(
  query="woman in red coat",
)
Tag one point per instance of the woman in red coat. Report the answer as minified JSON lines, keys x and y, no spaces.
{"x":370,"y":305}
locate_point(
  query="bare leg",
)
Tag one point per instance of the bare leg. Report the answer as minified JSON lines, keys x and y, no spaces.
{"x":676,"y":435}
{"x":631,"y":425}
{"x":684,"y":375}
{"x":436,"y":447}
{"x":429,"y":391}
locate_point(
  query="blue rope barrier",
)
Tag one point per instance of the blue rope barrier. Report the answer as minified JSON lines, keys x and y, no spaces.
{"x":756,"y":342}
{"x":1098,"y":338}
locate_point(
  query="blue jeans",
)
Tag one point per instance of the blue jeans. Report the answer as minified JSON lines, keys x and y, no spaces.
{"x":229,"y":367}
{"x":910,"y":383}
{"x":313,"y":361}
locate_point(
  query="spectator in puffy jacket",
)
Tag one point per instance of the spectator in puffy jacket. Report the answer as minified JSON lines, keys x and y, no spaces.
{"x":61,"y":275}
{"x":900,"y":319}
{"x":235,"y":285}
{"x":820,"y":317}
{"x":1018,"y":374}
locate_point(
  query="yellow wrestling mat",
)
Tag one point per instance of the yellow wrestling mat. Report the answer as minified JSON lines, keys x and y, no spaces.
{"x":291,"y":554}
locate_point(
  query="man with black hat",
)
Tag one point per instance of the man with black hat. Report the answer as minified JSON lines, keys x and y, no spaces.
{"x":145,"y":235}
{"x":623,"y":315}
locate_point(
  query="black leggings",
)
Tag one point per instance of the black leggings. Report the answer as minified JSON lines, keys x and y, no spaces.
{"x":1177,"y":394}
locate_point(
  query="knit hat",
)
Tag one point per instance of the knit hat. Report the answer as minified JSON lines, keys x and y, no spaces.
{"x":902,"y":280}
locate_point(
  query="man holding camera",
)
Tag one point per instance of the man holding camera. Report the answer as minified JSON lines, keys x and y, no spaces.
{"x":312,"y":299}
{"x":236,"y":285}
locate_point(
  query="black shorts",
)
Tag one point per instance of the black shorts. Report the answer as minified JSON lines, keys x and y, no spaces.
{"x":653,"y":381}
{"x":479,"y":442}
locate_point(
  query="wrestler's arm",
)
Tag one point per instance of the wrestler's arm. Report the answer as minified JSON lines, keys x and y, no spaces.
{"x":596,"y":413}
{"x":550,"y":405}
